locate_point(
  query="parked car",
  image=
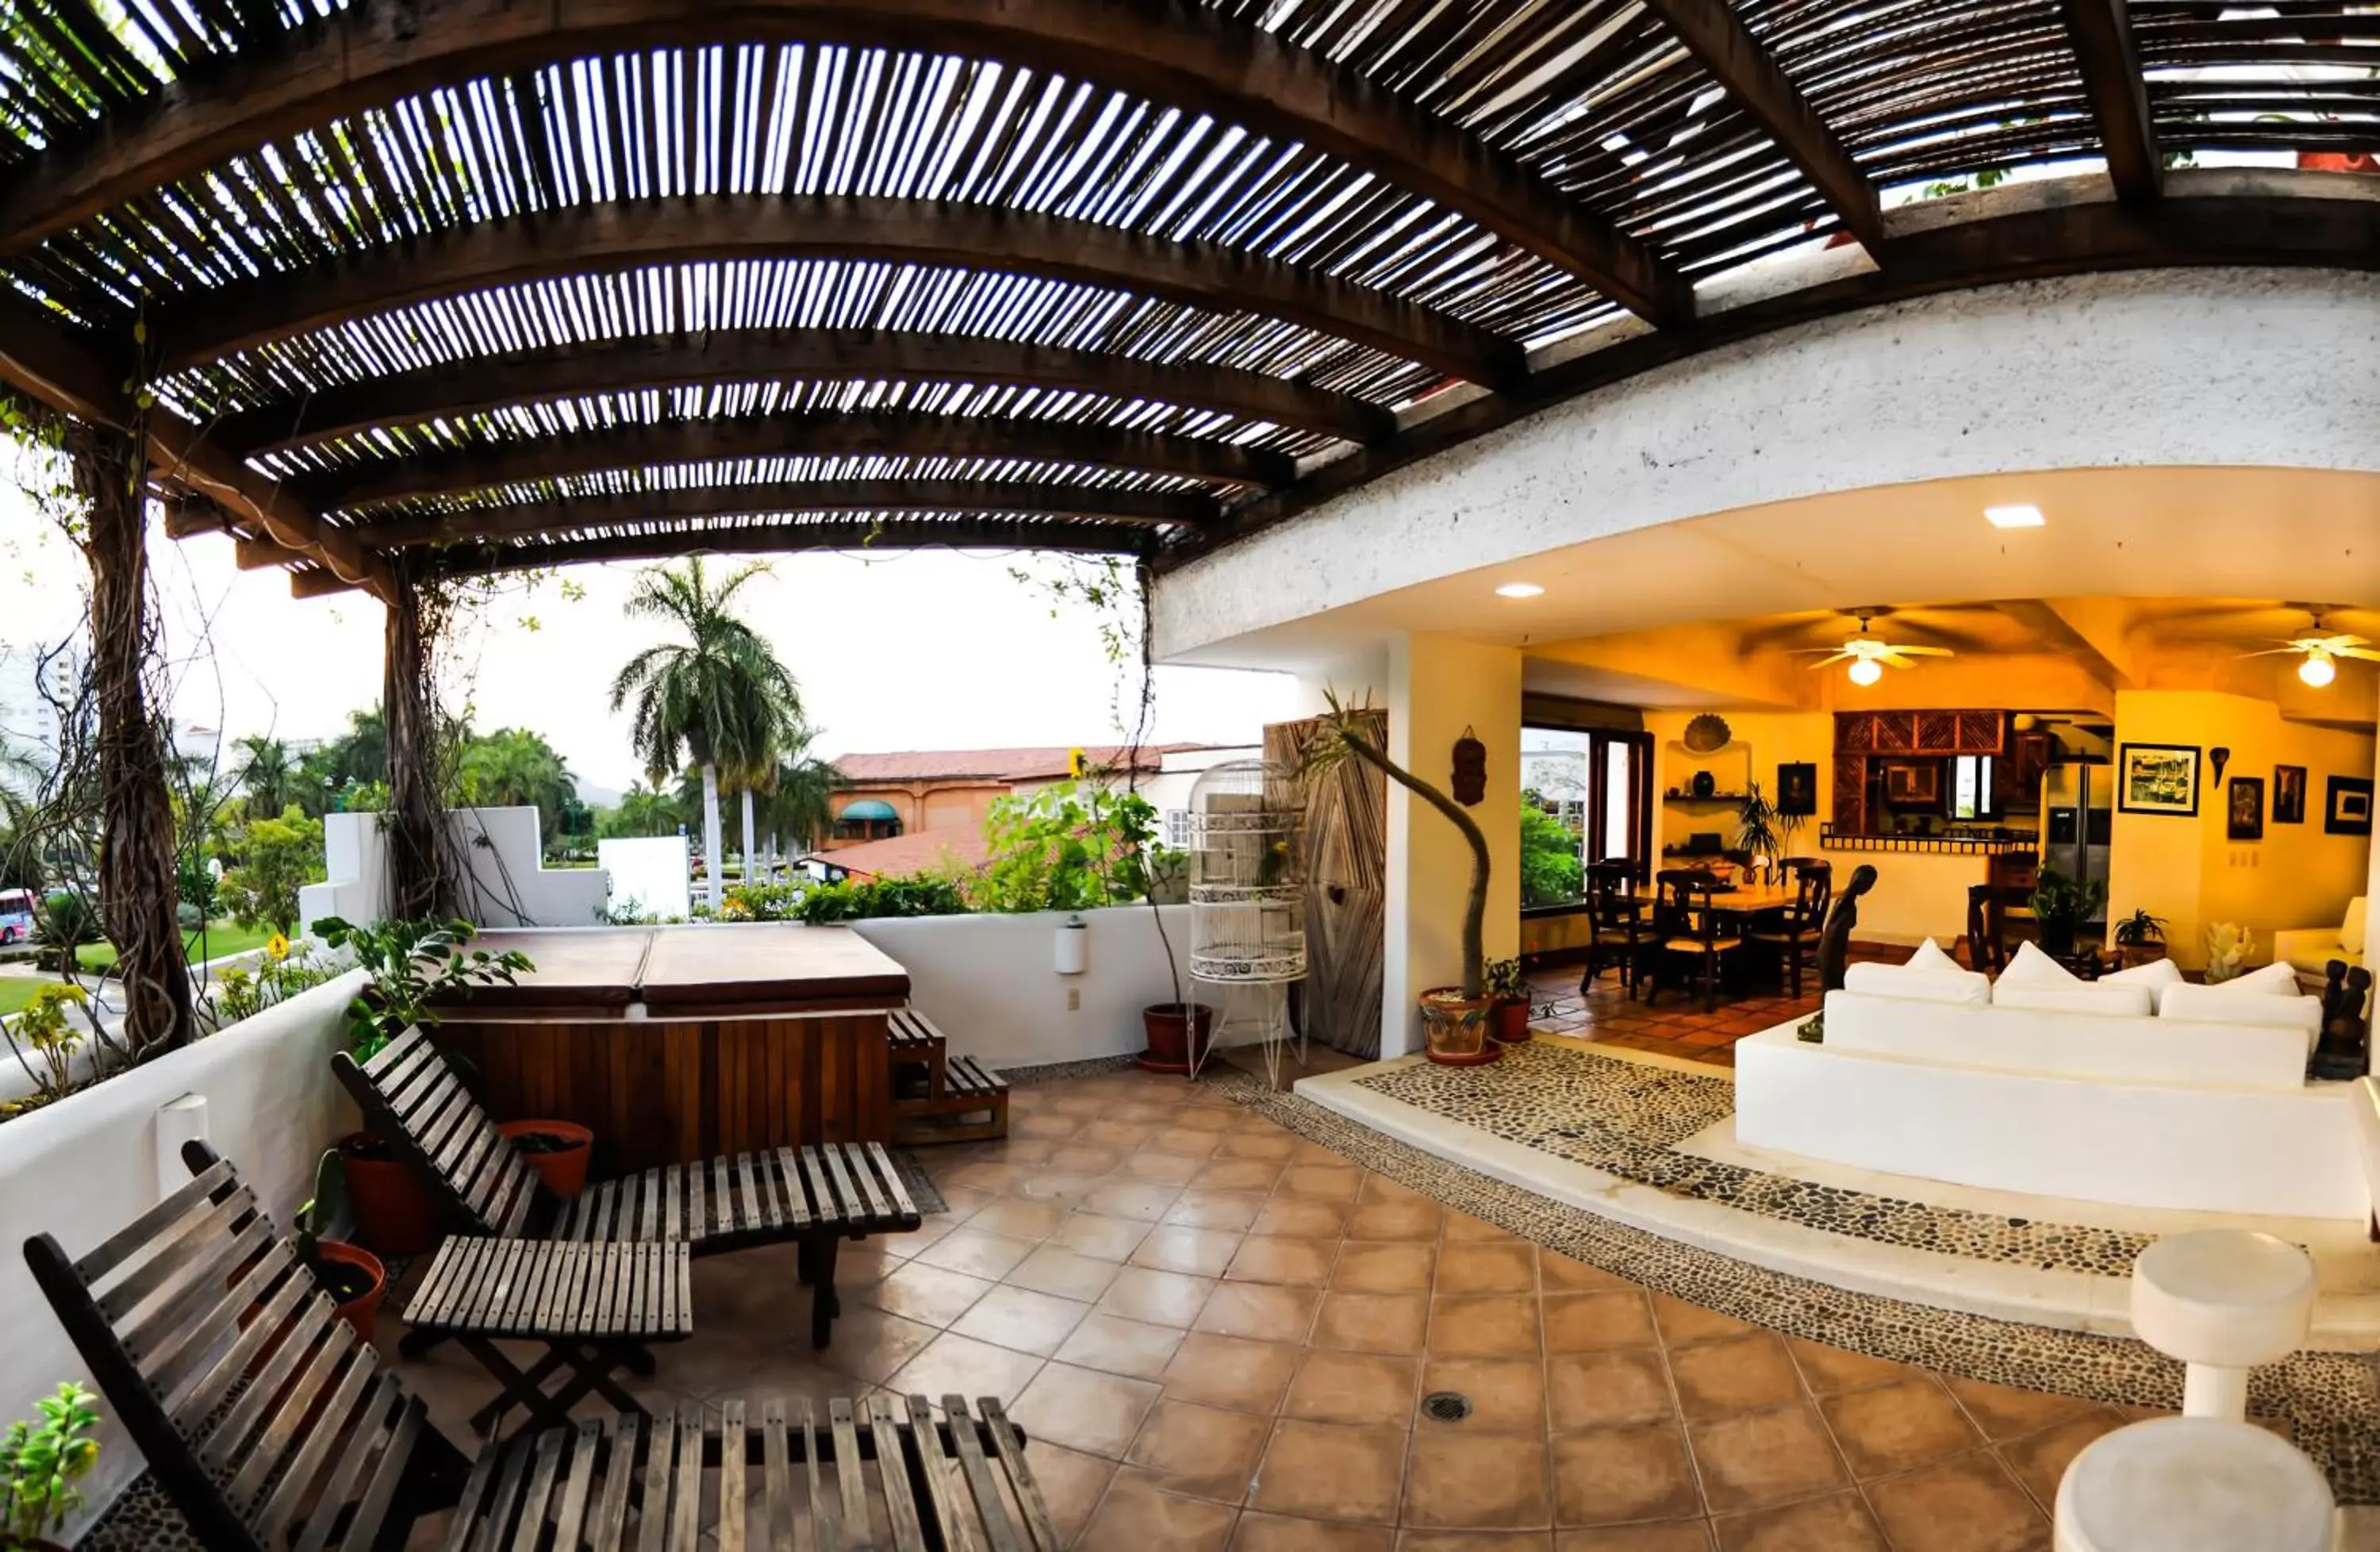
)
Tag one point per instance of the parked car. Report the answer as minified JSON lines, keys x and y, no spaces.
{"x":15,"y":916}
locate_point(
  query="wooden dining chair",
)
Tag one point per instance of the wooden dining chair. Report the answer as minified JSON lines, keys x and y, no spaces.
{"x":1792,"y":934}
{"x":1686,"y":933}
{"x":1615,"y":923}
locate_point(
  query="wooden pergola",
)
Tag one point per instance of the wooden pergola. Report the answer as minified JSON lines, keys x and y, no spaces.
{"x":398,"y":290}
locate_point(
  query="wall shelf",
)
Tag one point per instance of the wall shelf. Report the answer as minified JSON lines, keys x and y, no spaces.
{"x":1714,"y":799}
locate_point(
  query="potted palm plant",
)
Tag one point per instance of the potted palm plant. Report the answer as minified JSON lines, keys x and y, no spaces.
{"x":1758,"y":831}
{"x":2140,"y":938}
{"x":2060,"y":906}
{"x":1454,"y":1019}
{"x":1509,"y":993}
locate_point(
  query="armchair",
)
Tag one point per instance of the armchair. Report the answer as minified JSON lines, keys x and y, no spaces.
{"x":2309,"y":951}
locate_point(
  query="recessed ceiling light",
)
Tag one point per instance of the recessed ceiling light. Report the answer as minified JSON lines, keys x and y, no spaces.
{"x":2014,"y":517}
{"x":1518,"y":590}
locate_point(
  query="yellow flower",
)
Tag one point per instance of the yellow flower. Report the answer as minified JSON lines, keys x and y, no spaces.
{"x":276,"y":947}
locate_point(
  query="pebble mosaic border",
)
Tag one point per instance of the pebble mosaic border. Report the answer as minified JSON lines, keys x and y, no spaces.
{"x":2331,"y":1400}
{"x":1626,"y":1119}
{"x":1058,"y":1071}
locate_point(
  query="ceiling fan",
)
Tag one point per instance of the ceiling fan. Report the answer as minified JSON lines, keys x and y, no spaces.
{"x":1870,"y":656}
{"x":2321,"y":649}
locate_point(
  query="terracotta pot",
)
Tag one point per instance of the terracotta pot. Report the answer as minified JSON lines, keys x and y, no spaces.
{"x":1173,"y":1040}
{"x":2134,"y":954}
{"x":395,"y":1214}
{"x":562,"y":1170}
{"x":362,"y":1311}
{"x":1509,"y":1022}
{"x":1455,"y":1029}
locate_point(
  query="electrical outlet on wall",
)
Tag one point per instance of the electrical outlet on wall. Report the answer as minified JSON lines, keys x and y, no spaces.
{"x":1074,"y":1000}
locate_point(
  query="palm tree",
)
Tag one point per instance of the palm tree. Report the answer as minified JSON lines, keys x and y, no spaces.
{"x":514,"y":768}
{"x":266,"y":774}
{"x":721,"y":697}
{"x":796,"y":807}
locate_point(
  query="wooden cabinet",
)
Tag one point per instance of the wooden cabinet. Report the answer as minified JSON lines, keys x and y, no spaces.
{"x":1919,"y":732}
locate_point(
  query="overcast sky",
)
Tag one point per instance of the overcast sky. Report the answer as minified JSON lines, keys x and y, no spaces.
{"x":902,"y":652}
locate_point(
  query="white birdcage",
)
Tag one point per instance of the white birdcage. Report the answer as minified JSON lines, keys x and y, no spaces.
{"x":1248,"y":897}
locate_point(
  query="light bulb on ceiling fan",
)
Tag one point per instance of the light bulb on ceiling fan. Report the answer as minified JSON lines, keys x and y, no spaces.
{"x":1866,"y":670}
{"x":2317,"y":670}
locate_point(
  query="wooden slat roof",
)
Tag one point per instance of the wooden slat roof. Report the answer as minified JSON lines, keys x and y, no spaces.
{"x":525,"y":284}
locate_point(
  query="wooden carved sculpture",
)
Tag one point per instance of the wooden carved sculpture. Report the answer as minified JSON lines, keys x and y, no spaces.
{"x":1835,"y":943}
{"x":2344,"y":1049}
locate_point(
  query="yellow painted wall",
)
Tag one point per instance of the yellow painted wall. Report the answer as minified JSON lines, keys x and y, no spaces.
{"x":2187,"y":870}
{"x":1769,"y":738}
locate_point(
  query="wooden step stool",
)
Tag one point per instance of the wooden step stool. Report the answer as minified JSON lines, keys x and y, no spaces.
{"x":961,"y":1099}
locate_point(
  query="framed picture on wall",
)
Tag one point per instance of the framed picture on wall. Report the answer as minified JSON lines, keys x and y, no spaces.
{"x":1797,"y":790}
{"x":2289,"y":794}
{"x":2347,"y":807}
{"x":2245,"y":809}
{"x":2157,"y":778}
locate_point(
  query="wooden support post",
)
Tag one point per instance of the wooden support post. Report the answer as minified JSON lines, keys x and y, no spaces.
{"x":137,"y":894}
{"x":417,"y":851}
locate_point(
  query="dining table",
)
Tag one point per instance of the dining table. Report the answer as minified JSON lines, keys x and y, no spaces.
{"x":1743,"y":900}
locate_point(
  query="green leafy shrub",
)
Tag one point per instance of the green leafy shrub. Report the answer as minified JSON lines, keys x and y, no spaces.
{"x":1069,"y":846}
{"x":921,"y":894}
{"x":765,"y":903}
{"x":1550,"y":869}
{"x":67,"y":921}
{"x":43,"y":1030}
{"x":281,"y":974}
{"x":279,"y":856}
{"x":41,"y":1460}
{"x":414,"y":965}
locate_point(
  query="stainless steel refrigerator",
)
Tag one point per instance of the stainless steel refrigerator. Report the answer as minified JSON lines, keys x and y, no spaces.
{"x":2078,"y":802}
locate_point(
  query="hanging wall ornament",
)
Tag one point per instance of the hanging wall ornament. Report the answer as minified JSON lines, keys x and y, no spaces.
{"x":2218,"y":758}
{"x":1470,"y":770}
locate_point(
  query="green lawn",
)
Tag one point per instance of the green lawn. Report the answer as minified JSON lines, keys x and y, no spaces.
{"x":223,"y":938}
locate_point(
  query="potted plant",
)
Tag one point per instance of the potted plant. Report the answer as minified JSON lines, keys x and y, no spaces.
{"x":415,"y":967}
{"x":1757,"y":834}
{"x":2140,"y":938}
{"x":1454,"y":1019}
{"x":2060,"y":906}
{"x":557,"y":1150}
{"x":1508,"y":995}
{"x":351,"y":1275}
{"x":40,"y":1463}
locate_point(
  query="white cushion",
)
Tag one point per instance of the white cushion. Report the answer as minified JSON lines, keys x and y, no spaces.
{"x":1930,"y":957}
{"x":2156,"y":975}
{"x":2031,"y":966}
{"x":2350,"y":931}
{"x":2220,"y":1004}
{"x":1920,"y":986}
{"x":2272,"y":980}
{"x":2082,"y":997}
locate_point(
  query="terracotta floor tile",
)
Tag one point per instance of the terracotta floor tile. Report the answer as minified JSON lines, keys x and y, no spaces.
{"x":1298,"y":1263}
{"x":1200,"y":1252}
{"x":1396,"y":1220}
{"x":1838,"y":1522}
{"x":1098,"y":1235}
{"x":1460,"y":1227}
{"x":1153,"y":1168}
{"x":975,"y":1253}
{"x":1055,"y":1185}
{"x":928,"y":1295}
{"x":1681,"y":1323}
{"x":1365,"y":1266}
{"x":1122,"y":1134}
{"x":1144,"y":1200}
{"x":1488,"y":1268}
{"x":1676,"y":1536}
{"x":1278,"y":1532}
{"x":1967,"y":1504}
{"x":2003,"y":1413}
{"x":1083,"y":1159}
{"x":1487,"y":1325}
{"x":872,"y":1344}
{"x":1045,"y":1123}
{"x":1612,"y":1388}
{"x":1157,"y":1298}
{"x":1241,"y":1144}
{"x":1231,"y":1371}
{"x":1238,"y":1174}
{"x":1330,"y":1183}
{"x":1558,"y":1274}
{"x":1894,"y":1427}
{"x":1120,"y":1346}
{"x":1607,"y":1477}
{"x":952,"y":1365}
{"x":1067,"y":1273}
{"x":1263,"y":1312}
{"x":1478,"y":1481}
{"x":1507,"y":1395}
{"x":1830,"y":1369}
{"x":1302,"y":1218}
{"x":1329,"y":1472}
{"x":1369,"y":1389}
{"x":1219,"y":1115}
{"x":1072,"y":1484}
{"x":1138,"y":1516}
{"x":1083,"y":1408}
{"x":1584,"y":1322}
{"x":1217,"y":1210}
{"x":1207,"y":1452}
{"x":1020,"y":1318}
{"x":1184,"y":1141}
{"x":2040,"y":1458}
{"x":1754,"y":1459}
{"x":1372,"y":1322}
{"x":1738,"y":1374}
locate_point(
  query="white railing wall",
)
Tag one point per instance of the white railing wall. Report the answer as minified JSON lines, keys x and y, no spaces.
{"x":507,"y":883}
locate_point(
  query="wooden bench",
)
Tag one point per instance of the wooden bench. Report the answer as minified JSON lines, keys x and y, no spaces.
{"x":273,"y":1429}
{"x":815,"y":1196}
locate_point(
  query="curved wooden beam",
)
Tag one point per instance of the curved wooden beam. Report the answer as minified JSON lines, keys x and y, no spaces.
{"x":576,"y":514}
{"x":476,"y":385}
{"x":1179,"y":52}
{"x":894,"y":435}
{"x":206,"y":326}
{"x":974,"y":533}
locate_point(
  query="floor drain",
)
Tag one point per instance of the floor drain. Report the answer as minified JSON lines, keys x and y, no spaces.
{"x":1446,"y":1406}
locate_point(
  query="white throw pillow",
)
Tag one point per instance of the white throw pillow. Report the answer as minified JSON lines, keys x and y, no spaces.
{"x":2156,"y":975}
{"x":2350,"y":931}
{"x":2220,"y":1004}
{"x":2032,"y":967}
{"x":1962,"y":986}
{"x":2272,"y":980}
{"x":1929,"y":957}
{"x":2082,"y":997}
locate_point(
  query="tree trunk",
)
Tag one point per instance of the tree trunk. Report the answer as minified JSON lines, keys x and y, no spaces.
{"x":416,"y":883}
{"x":1474,"y":906}
{"x":714,"y":863}
{"x":748,"y":835}
{"x":137,"y":888}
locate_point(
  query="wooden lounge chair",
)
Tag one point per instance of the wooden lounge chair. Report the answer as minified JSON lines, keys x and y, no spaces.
{"x":816,"y":1195}
{"x":273,"y":1429}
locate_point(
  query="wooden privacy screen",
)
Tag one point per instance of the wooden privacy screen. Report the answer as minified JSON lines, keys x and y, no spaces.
{"x":678,"y":1091}
{"x":1345,"y":840}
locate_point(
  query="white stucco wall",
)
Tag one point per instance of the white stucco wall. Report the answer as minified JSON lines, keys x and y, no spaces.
{"x":509,"y":885}
{"x":82,"y":1168}
{"x":2184,"y":367}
